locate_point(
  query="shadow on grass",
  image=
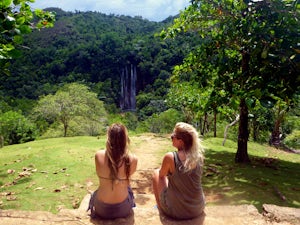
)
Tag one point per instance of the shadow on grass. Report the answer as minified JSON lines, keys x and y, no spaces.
{"x":264,"y":181}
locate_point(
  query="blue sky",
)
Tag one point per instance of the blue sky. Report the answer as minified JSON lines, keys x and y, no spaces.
{"x":153,"y":10}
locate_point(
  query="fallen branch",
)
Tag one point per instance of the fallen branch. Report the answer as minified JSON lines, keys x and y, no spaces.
{"x":229,"y":125}
{"x":283,"y":198}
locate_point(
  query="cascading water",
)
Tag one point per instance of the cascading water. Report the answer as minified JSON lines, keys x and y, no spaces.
{"x":128,"y":88}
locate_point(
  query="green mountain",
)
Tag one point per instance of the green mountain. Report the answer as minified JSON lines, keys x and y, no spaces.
{"x":94,"y":48}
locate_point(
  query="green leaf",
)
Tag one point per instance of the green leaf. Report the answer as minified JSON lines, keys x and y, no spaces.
{"x":264,"y":54}
{"x":25,"y":29}
{"x":21,"y":20}
{"x":5,"y":3}
{"x":250,"y":102}
{"x":15,"y":53}
{"x":18,"y":39}
{"x":17,"y":2}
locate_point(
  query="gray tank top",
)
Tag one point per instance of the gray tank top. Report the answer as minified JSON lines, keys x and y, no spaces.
{"x":184,"y":195}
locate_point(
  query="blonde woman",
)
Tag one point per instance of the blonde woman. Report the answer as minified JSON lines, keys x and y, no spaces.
{"x":177,"y":184}
{"x":114,"y":166}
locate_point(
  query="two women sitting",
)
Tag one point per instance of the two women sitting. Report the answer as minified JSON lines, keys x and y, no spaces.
{"x":176,"y":184}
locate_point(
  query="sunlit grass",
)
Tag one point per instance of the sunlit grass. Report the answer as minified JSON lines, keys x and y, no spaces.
{"x":60,"y":170}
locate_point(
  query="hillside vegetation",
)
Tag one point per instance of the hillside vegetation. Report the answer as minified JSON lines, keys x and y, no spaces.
{"x":182,"y":70}
{"x":91,"y":48}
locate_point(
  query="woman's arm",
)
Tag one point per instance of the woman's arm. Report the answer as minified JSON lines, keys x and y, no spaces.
{"x":99,"y":161}
{"x":167,"y":166}
{"x":133,"y":164}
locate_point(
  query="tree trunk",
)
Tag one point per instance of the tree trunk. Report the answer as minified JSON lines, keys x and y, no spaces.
{"x":242,"y":151}
{"x":65,"y":128}
{"x":255,"y":129}
{"x":215,"y":123}
{"x":1,"y":141}
{"x":65,"y":131}
{"x":200,"y":125}
{"x":205,"y":122}
{"x":275,"y":138}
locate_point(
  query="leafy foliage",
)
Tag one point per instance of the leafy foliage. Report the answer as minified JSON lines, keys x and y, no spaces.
{"x":15,"y":128}
{"x":265,"y":30}
{"x":73,"y":102}
{"x":207,"y":80}
{"x":16,"y":20}
{"x":293,"y":139}
{"x":161,"y":122}
{"x":248,"y":51}
{"x":89,"y":47}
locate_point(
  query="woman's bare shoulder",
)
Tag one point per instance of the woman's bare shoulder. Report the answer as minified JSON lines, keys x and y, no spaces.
{"x":133,"y":158}
{"x":167,"y":165}
{"x":169,"y":155}
{"x":168,"y":159}
{"x":100,"y":153}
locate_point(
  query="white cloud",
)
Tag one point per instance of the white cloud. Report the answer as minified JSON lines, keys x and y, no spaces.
{"x":155,"y":10}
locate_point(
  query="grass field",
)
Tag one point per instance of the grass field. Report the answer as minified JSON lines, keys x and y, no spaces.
{"x":59,"y":168}
{"x":56,"y":173}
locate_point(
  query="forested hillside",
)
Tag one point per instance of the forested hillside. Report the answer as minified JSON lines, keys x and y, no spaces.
{"x":211,"y":69}
{"x":93,"y":48}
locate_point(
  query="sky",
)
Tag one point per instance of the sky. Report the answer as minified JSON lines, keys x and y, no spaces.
{"x":153,"y":10}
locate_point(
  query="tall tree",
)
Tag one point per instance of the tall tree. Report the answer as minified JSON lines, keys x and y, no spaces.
{"x":254,"y":46}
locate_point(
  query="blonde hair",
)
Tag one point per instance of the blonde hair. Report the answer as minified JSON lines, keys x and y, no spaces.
{"x":192,"y":146}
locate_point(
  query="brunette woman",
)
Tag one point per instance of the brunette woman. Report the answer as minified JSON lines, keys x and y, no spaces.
{"x":114,"y":167}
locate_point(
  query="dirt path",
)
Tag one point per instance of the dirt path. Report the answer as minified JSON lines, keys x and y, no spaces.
{"x":146,"y":148}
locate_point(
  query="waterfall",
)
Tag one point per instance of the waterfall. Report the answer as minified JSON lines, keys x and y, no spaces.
{"x":128,"y":88}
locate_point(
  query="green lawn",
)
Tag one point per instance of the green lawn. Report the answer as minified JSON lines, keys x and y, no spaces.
{"x":57,"y":173}
{"x":60,"y":168}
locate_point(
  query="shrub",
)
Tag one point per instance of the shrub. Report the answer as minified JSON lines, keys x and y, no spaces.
{"x":16,"y":128}
{"x":293,"y":139}
{"x":291,"y":123}
{"x":161,"y":123}
{"x":129,"y":119}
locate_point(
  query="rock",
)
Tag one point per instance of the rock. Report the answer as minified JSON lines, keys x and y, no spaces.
{"x":147,"y":214}
{"x":281,"y":214}
{"x":214,"y":215}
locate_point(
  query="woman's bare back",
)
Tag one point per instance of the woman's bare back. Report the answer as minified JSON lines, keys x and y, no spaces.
{"x":112,"y":191}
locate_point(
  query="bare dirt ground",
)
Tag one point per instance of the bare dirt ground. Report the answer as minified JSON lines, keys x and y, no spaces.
{"x":146,"y":152}
{"x":146,"y":148}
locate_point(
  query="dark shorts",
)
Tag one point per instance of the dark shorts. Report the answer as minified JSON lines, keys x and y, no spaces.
{"x":111,"y":211}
